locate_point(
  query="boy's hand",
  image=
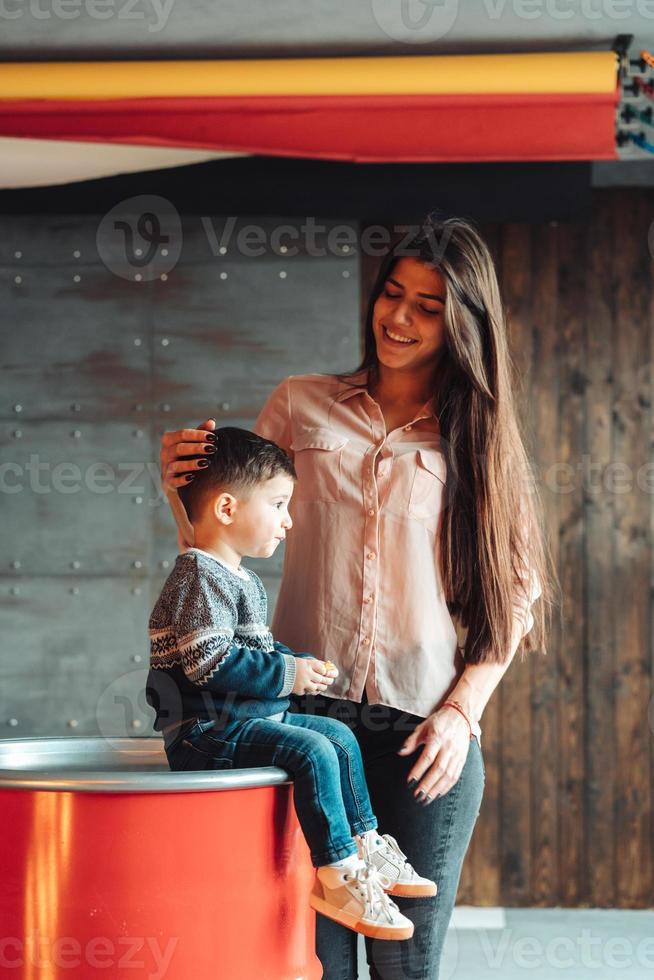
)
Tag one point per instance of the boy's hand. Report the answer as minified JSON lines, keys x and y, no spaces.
{"x":313,"y":676}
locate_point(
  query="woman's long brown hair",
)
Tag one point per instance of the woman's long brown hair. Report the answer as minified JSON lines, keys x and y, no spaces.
{"x":492,"y":535}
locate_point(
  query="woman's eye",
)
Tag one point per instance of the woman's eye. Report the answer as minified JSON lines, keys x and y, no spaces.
{"x":424,"y":309}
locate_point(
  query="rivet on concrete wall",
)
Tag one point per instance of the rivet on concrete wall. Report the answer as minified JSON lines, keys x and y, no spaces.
{"x":76,"y":434}
{"x":165,"y":407}
{"x":223,"y":275}
{"x":138,"y":408}
{"x":225,"y":406}
{"x":138,"y":500}
{"x":138,"y":433}
{"x":282,"y":275}
{"x":18,"y":255}
{"x":136,"y":659}
{"x":73,"y":723}
{"x":17,"y":434}
{"x":75,"y":407}
{"x":13,"y":722}
{"x":76,"y":253}
{"x":137,"y":341}
{"x":15,"y":564}
{"x":164,"y":341}
{"x":138,"y":277}
{"x":136,"y":723}
{"x":18,"y":280}
{"x":77,"y":278}
{"x":346,"y":274}
{"x":165,"y":563}
{"x":75,"y":564}
{"x":18,"y":408}
{"x":164,"y":277}
{"x":136,"y":591}
{"x":222,"y":250}
{"x":137,"y":564}
{"x":283,"y":249}
{"x":74,"y":590}
{"x":15,"y":590}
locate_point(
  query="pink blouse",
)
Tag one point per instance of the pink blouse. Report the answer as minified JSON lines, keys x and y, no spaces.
{"x":361,"y":583}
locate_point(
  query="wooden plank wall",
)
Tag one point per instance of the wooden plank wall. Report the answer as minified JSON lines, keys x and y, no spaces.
{"x":566,"y":818}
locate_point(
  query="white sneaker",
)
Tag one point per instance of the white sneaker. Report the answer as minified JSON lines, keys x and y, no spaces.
{"x":357,"y":899}
{"x":383,"y":853}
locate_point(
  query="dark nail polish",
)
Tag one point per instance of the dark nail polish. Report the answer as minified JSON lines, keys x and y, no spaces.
{"x":203,"y":462}
{"x":419,"y":796}
{"x":189,"y":477}
{"x":412,"y":782}
{"x":210,"y":436}
{"x":209,"y":449}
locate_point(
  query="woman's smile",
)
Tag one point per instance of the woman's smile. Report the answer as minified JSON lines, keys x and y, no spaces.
{"x":396,"y":339}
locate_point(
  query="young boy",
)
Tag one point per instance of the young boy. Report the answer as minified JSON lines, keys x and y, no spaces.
{"x":220,"y":686}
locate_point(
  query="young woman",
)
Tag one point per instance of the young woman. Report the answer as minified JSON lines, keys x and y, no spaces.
{"x":416,"y":555}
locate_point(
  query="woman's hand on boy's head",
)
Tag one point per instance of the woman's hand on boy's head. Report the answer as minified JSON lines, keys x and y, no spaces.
{"x":176,"y":448}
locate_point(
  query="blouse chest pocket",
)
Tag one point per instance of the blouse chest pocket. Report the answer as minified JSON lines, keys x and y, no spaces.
{"x":318,"y":456}
{"x":428,"y":487}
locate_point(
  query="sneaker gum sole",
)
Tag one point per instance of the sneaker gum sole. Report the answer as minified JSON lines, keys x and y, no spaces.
{"x":351,"y":921}
{"x":412,"y":891}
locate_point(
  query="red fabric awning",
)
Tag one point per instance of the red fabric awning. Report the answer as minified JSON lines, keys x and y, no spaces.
{"x":415,"y":128}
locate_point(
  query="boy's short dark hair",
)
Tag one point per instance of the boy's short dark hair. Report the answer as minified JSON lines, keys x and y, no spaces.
{"x":241,"y":462}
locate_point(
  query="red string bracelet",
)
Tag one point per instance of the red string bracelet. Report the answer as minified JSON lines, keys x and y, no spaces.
{"x":457,"y":707}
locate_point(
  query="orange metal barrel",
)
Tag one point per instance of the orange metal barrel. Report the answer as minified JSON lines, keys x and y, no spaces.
{"x":115,"y":867}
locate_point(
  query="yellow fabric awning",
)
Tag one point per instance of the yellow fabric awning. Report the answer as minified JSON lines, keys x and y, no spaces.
{"x":554,"y":73}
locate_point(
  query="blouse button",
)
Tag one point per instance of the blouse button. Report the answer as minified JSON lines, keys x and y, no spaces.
{"x":367,"y":598}
{"x":407,"y":428}
{"x":365,"y":641}
{"x":371,"y":512}
{"x":371,"y":555}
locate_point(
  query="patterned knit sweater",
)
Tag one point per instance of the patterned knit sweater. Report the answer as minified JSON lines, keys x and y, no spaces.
{"x":212,"y":655}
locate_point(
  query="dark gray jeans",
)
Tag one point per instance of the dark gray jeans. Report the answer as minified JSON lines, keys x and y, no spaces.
{"x":434,"y":838}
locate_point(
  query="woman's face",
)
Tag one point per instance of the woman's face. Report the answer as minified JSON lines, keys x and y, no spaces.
{"x":408,"y":316}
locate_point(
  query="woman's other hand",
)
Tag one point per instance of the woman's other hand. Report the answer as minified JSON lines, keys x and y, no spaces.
{"x":180,"y":453}
{"x":446,"y":739}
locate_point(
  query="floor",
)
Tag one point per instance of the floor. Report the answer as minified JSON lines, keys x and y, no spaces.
{"x":545,"y":944}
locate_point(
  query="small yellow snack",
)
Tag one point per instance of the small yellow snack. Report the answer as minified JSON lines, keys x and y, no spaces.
{"x":330,"y":666}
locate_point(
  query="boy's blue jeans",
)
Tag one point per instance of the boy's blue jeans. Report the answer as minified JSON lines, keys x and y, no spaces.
{"x":320,"y":754}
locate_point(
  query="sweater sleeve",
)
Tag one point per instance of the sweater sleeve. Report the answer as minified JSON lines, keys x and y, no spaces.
{"x":274,"y":421}
{"x":288,"y":652}
{"x":205,"y":626}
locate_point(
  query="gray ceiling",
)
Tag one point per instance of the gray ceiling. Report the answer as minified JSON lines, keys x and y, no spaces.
{"x":50,"y":29}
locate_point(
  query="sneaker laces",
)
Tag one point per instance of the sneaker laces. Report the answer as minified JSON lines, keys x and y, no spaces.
{"x":395,"y":847}
{"x":371,"y":883}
